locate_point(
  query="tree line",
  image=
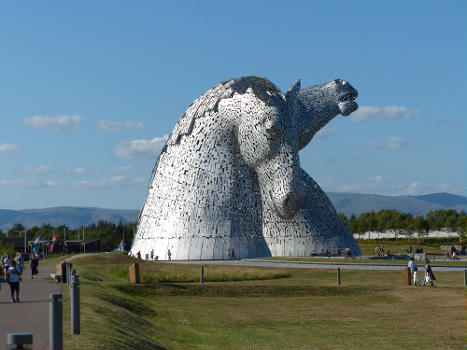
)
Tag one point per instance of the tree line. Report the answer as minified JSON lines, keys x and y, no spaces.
{"x":406,"y":224}
{"x":110,"y":234}
{"x":402,"y":224}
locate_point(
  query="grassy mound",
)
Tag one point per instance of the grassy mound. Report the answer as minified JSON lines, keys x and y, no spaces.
{"x":265,"y":308}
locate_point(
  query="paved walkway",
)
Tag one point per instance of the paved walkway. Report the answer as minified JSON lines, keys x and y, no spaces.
{"x":32,"y":313}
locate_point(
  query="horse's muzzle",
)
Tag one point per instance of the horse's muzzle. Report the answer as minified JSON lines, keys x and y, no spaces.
{"x":287,"y":206}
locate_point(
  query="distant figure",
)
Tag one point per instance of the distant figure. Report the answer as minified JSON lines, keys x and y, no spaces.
{"x":19,"y":259}
{"x":412,"y":268}
{"x":416,"y":279}
{"x":376,"y":250}
{"x":462,"y":249}
{"x":138,"y":255}
{"x":233,"y":255}
{"x":34,"y":264}
{"x":448,"y":256}
{"x":13,"y":278}
{"x":229,"y":254}
{"x":410,"y":249}
{"x":388,"y":252}
{"x":169,"y":254}
{"x":429,"y":276}
{"x":453,"y":249}
{"x":152,"y":254}
{"x":348,"y":253}
{"x":5,"y":263}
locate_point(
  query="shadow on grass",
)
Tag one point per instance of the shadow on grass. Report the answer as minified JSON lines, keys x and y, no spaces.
{"x":127,"y":302}
{"x":127,"y":331}
{"x":234,"y":290}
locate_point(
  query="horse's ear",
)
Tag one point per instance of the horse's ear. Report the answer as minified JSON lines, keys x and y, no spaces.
{"x":293,"y":91}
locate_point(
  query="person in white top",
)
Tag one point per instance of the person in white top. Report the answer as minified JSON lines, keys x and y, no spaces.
{"x":13,"y":278}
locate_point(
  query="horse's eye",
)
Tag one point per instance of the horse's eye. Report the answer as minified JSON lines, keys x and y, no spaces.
{"x":274,"y":133}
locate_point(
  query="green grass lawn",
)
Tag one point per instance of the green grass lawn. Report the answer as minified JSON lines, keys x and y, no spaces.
{"x":262,"y":308}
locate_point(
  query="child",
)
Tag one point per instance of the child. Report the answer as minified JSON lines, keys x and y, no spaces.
{"x":416,"y":279}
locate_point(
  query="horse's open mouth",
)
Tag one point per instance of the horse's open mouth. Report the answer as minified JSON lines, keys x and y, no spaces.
{"x":347,"y":102}
{"x":349,"y":96}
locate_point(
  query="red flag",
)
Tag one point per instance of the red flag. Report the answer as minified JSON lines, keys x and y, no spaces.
{"x":54,"y":238}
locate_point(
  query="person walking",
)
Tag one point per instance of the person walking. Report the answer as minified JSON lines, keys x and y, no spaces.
{"x":429,"y":275}
{"x":411,"y":266}
{"x":19,"y":259}
{"x":152,"y":254}
{"x":5,"y":263}
{"x":13,"y":278}
{"x":34,"y":264}
{"x":169,"y":254}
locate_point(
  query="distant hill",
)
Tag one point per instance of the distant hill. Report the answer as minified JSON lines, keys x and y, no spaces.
{"x":73,"y":217}
{"x":347,"y":203}
{"x":355,"y":203}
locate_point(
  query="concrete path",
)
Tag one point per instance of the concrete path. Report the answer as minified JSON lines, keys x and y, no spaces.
{"x":314,"y":265}
{"x":32,"y":313}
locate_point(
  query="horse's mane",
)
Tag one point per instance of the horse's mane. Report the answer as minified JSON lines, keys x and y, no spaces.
{"x":209,"y":102}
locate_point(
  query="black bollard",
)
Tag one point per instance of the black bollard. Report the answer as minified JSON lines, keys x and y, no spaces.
{"x":201,"y":275}
{"x":338,"y":276}
{"x":19,"y":341}
{"x":465,"y":278}
{"x":64,"y":274}
{"x":75,"y":304}
{"x":55,"y":322}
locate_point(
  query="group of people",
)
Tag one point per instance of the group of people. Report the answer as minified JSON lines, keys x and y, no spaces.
{"x":13,"y":270}
{"x":379,"y":251}
{"x":454,"y":252}
{"x":428,"y":278}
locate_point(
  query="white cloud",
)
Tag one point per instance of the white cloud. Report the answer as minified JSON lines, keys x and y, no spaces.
{"x":392,"y":143}
{"x":120,"y":168}
{"x":378,"y":178}
{"x":111,"y":126}
{"x":325,"y":132}
{"x":8,"y":147}
{"x":371,"y":145}
{"x":112,"y":182}
{"x":387,"y":186}
{"x":395,"y":142}
{"x":79,"y":170}
{"x":41,"y":169}
{"x":366,"y":113}
{"x":28,"y":183}
{"x":141,"y":148}
{"x":57,"y":123}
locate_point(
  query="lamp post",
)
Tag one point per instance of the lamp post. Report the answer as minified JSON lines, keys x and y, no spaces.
{"x":25,"y":247}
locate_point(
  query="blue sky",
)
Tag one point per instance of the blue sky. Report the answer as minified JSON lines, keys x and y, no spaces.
{"x":89,"y":89}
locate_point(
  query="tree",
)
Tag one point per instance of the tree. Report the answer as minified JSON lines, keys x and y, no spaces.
{"x":461,"y":226}
{"x":352,"y":224}
{"x":343,"y":218}
{"x":362,"y":224}
{"x":421,"y":227}
{"x":16,"y":230}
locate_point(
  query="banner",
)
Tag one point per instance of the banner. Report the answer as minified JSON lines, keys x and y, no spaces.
{"x":54,"y":238}
{"x":35,"y":244}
